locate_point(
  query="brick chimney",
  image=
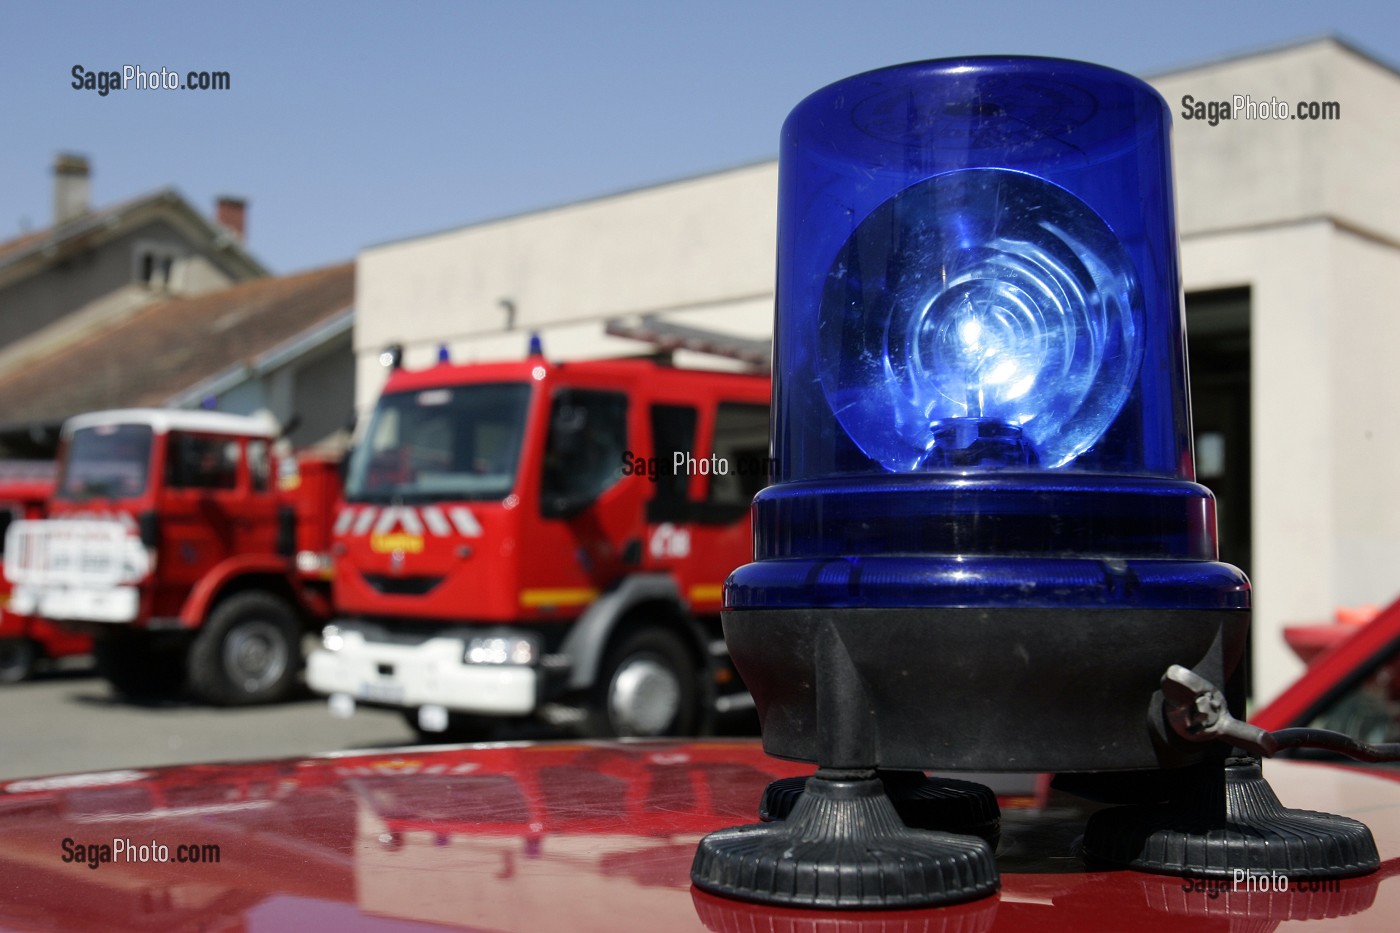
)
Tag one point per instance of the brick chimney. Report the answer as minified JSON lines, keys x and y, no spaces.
{"x":232,"y":214}
{"x":72,"y":187}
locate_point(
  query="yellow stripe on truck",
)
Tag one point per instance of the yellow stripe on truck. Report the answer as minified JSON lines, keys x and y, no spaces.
{"x":567,"y":596}
{"x":707,"y":592}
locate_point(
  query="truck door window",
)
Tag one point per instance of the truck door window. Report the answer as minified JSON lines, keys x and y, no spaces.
{"x":741,"y":442}
{"x":672,"y":432}
{"x":583,"y":455}
{"x":197,"y":461}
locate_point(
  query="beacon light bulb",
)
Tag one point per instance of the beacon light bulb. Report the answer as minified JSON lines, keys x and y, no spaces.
{"x":981,"y":317}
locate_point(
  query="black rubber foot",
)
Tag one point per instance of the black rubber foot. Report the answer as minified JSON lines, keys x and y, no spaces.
{"x":1226,"y":821}
{"x":944,"y":804}
{"x":844,"y":846}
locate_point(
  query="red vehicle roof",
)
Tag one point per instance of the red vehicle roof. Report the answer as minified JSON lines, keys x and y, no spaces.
{"x":555,"y":837}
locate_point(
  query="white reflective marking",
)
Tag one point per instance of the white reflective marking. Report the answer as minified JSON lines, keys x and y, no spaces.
{"x":343,"y":520}
{"x":399,"y":515}
{"x":366,"y":519}
{"x":465,"y":522}
{"x":436,"y":521}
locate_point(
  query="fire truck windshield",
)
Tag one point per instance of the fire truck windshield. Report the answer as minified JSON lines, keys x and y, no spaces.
{"x":451,"y":442}
{"x":107,"y":460}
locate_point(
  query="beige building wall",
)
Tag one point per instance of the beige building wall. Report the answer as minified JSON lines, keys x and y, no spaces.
{"x":1305,"y":214}
{"x":700,"y":251}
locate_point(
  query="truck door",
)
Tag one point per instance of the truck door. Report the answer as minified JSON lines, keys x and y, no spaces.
{"x":202,"y":515}
{"x":722,"y":533}
{"x":592,"y":518}
{"x":670,"y":510}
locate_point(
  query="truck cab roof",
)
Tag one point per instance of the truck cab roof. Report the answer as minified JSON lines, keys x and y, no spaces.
{"x":164,"y":420}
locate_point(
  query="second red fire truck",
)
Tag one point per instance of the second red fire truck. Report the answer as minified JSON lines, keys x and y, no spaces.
{"x":546,"y":540}
{"x":174,"y":540}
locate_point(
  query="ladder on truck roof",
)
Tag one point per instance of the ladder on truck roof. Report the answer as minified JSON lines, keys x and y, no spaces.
{"x":668,"y":336}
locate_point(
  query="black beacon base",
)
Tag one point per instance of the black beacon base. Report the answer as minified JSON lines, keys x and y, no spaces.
{"x":937,"y":803}
{"x":869,"y":831}
{"x":1224,"y":819}
{"x":843,"y":845}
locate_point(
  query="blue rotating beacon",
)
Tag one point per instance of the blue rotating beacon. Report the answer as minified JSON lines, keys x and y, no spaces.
{"x":984,"y":549}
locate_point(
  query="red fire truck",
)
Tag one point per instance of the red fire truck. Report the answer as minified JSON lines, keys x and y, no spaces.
{"x":547,"y":540}
{"x":180,"y":543}
{"x":25,"y":487}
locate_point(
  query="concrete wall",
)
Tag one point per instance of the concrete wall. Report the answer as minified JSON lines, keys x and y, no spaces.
{"x":323,"y":390}
{"x":316,"y":387}
{"x":1307,"y":214}
{"x":701,"y":249}
{"x":1241,"y":174}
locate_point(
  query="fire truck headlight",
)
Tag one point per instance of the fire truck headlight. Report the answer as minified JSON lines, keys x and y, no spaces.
{"x":332,"y":639}
{"x":509,"y":649}
{"x":314,"y":562}
{"x":138,"y":561}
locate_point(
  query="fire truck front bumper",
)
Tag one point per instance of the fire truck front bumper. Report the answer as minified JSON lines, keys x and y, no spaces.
{"x":116,"y":604}
{"x":370,"y":666}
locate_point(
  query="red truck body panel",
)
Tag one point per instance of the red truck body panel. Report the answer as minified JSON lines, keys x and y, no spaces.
{"x":581,"y":837}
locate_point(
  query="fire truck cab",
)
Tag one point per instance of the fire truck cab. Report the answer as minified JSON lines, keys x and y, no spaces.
{"x":170,"y":541}
{"x":543,"y":539}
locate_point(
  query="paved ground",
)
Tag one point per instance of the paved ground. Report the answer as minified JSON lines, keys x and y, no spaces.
{"x":71,"y":721}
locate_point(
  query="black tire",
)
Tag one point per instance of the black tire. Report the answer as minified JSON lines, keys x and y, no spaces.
{"x":647,"y":687}
{"x":139,"y":667}
{"x":17,"y":657}
{"x":248,"y":651}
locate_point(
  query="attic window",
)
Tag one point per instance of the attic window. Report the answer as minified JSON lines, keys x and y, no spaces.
{"x":155,"y":266}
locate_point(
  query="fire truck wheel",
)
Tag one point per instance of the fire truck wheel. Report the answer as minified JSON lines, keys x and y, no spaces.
{"x":248,"y":652}
{"x":17,"y":657}
{"x":139,"y":668}
{"x":647,"y":687}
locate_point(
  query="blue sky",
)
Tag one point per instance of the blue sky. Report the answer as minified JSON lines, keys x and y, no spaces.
{"x":358,"y":123}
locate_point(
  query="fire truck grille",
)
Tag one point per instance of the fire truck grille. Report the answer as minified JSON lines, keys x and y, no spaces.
{"x":68,"y":552}
{"x":402,"y":586}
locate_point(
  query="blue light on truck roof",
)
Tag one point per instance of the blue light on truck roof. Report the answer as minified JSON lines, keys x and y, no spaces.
{"x":977,"y":269}
{"x":979,"y":354}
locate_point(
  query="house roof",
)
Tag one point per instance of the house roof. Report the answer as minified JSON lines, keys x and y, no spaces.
{"x":23,"y":254}
{"x":160,"y":351}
